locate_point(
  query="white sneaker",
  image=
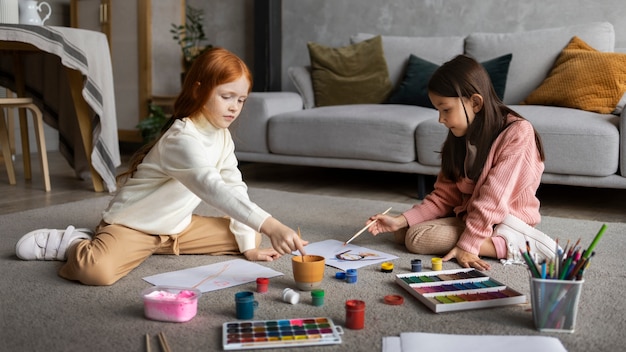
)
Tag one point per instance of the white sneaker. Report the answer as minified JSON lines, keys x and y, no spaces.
{"x":49,"y":244}
{"x":516,"y":233}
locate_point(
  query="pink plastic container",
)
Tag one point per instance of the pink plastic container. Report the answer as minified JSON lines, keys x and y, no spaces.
{"x":169,"y":303}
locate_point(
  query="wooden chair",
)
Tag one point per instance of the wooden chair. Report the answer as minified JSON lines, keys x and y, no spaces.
{"x":27,"y":104}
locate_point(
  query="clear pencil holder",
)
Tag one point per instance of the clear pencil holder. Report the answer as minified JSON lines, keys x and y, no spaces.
{"x":555,"y":304}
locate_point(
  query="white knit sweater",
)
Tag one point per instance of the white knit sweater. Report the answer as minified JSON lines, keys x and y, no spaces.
{"x":193,"y":162}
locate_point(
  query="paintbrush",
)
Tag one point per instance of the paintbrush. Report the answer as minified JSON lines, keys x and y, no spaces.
{"x":364,"y":228}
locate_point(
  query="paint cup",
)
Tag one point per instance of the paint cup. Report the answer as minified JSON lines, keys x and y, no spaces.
{"x":317,"y":297}
{"x":291,"y":296}
{"x":308,"y":271}
{"x":355,"y":314}
{"x":351,"y":276}
{"x":245,"y":304}
{"x":262,"y":284}
{"x":436,"y":264}
{"x":416,"y":265}
{"x":555,"y":304}
{"x":340,"y":275}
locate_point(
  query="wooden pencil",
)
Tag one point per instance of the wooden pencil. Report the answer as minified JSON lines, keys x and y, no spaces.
{"x":364,"y":228}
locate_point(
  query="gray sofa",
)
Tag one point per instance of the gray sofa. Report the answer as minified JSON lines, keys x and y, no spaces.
{"x":582,"y":148}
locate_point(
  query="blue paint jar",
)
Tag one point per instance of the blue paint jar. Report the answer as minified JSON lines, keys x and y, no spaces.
{"x":351,"y":276}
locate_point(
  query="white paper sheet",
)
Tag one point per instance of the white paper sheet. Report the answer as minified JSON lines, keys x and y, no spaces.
{"x":420,"y":341}
{"x":214,"y":276}
{"x":353,"y":257}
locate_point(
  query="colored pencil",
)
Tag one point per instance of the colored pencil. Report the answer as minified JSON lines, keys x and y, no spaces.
{"x":594,"y":242}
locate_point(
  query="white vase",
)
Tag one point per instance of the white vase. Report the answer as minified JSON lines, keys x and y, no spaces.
{"x":9,"y":12}
{"x":29,"y":12}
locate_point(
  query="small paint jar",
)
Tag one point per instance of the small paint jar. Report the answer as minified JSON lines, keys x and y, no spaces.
{"x":262,"y":284}
{"x":386,"y":267}
{"x":291,"y":296}
{"x":317,"y":297}
{"x":355,"y":314}
{"x":351,"y":276}
{"x":340,"y":275}
{"x":437,"y":264}
{"x":416,"y":265}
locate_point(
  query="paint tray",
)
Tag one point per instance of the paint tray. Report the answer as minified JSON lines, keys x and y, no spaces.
{"x":458,"y":289}
{"x":253,"y":334}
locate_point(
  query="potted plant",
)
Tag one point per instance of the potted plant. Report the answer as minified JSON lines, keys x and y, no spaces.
{"x":190,"y":36}
{"x":151,"y":126}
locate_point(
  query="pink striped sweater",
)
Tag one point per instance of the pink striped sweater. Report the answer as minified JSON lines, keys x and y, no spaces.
{"x":507,"y":185}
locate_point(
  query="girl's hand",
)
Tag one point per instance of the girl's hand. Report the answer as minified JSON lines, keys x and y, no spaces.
{"x":284,"y":240}
{"x":466,"y":259}
{"x":386,"y":223}
{"x":261,"y":254}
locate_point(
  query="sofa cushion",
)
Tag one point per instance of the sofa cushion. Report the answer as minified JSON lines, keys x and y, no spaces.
{"x":571,"y":138}
{"x":429,"y":138}
{"x":377,"y":132}
{"x":535,"y":52}
{"x":414,"y":87}
{"x":301,"y":78}
{"x":398,"y":48}
{"x":584,"y":78}
{"x":354,"y":74}
{"x":576,"y":142}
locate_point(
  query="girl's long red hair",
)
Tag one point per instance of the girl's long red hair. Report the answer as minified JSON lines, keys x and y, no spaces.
{"x":214,"y":67}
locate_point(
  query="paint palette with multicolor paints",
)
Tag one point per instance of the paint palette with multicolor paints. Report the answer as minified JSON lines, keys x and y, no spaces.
{"x":240,"y":335}
{"x":459,"y":289}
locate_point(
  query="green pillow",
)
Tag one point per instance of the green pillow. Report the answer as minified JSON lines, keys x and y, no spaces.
{"x":354,"y":74}
{"x":414,"y":87}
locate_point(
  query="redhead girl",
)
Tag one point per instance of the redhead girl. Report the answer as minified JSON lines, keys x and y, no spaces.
{"x":193,"y":161}
{"x":483,"y":203}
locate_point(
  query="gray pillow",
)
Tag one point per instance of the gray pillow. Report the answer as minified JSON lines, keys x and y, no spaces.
{"x":535,"y":52}
{"x":301,"y":78}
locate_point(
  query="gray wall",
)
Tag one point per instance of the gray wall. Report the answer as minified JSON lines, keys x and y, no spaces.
{"x":331,"y":22}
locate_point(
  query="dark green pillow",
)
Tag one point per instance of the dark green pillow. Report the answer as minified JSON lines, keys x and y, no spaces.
{"x":354,"y":74}
{"x":414,"y":87}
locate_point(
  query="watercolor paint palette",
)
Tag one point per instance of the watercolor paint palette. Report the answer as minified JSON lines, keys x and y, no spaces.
{"x":459,"y":289}
{"x":241,"y":335}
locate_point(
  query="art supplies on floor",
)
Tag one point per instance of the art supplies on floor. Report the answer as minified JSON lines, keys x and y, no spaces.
{"x":458,"y":289}
{"x":569,"y":263}
{"x":346,"y":256}
{"x":214,"y":276}
{"x":240,"y":335}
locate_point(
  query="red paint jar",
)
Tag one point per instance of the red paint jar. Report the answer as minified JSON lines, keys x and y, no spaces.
{"x":355,"y":314}
{"x":262,"y":284}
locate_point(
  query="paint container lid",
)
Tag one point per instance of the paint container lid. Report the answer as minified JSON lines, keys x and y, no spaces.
{"x":317,"y":293}
{"x":394,"y":300}
{"x":436,"y":260}
{"x":340,"y":275}
{"x":386,"y":267}
{"x":262,"y":280}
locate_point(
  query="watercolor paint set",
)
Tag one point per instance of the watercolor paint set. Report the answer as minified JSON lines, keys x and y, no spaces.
{"x":458,"y":289}
{"x":240,"y":335}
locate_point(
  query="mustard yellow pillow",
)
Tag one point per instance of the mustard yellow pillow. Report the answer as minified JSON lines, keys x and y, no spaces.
{"x":584,"y":78}
{"x":354,"y":74}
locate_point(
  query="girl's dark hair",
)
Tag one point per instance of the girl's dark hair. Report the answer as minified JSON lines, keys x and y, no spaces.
{"x":214,"y":67}
{"x":463,"y":77}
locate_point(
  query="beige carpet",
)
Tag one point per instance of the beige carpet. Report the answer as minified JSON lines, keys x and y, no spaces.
{"x":42,"y":312}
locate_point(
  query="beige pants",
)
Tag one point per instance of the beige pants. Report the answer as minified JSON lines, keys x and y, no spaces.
{"x":116,"y":250}
{"x":434,"y":237}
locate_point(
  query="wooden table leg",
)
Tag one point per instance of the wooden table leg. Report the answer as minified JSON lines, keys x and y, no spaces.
{"x":21,"y":92}
{"x":83,"y":113}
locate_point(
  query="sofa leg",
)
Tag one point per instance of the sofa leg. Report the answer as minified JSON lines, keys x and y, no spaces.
{"x":421,"y":186}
